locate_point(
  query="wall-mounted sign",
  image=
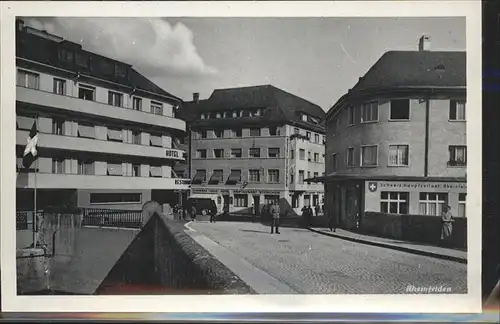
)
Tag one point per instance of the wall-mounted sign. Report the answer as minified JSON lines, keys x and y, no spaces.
{"x":182,"y":181}
{"x":172,"y":153}
{"x":373,"y":186}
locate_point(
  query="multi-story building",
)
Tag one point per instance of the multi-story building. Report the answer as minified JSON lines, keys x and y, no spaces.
{"x":105,"y":130}
{"x":253,"y":145}
{"x":396,"y":142}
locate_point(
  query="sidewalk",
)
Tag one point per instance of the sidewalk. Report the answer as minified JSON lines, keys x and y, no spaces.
{"x":410,"y":247}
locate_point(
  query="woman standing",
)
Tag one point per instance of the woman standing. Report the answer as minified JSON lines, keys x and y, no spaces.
{"x":447,"y":225}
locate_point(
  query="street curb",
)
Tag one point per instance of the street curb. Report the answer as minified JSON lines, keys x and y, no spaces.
{"x":394,"y":247}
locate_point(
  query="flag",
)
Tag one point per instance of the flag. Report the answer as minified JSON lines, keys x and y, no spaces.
{"x":30,"y":152}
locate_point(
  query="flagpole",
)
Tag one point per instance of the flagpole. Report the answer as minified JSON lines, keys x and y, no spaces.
{"x":35,"y":218}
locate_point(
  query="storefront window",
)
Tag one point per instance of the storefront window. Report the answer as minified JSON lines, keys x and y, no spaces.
{"x":462,"y":197}
{"x":432,"y":203}
{"x":240,"y":200}
{"x":394,"y":202}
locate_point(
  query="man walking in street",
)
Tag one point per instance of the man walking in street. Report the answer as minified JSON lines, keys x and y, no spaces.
{"x":275,"y":214}
{"x":447,"y":226}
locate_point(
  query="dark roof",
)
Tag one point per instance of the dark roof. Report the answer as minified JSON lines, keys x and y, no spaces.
{"x":281,"y":107}
{"x":412,"y":69}
{"x":46,"y":50}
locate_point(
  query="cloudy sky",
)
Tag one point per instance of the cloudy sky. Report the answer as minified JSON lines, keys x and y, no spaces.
{"x":318,"y":59}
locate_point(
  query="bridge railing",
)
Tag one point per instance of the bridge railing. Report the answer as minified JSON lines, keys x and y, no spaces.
{"x":112,"y":217}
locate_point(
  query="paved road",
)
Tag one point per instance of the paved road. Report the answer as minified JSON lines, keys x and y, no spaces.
{"x":312,"y":263}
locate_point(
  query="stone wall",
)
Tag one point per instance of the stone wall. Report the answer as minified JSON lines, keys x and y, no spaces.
{"x":413,"y":228}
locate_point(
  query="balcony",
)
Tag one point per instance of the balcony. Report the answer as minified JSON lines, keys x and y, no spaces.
{"x":76,"y":105}
{"x":92,"y":145}
{"x":77,"y":181}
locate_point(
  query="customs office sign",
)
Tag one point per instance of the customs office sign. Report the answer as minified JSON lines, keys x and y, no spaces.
{"x":374,"y":186}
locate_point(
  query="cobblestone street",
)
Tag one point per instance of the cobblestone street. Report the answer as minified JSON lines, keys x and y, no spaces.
{"x":312,"y":263}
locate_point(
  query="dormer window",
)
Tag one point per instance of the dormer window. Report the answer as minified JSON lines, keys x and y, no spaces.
{"x":235,"y":114}
{"x":219,"y":115}
{"x":304,"y":117}
{"x":120,"y":70}
{"x":202,"y":116}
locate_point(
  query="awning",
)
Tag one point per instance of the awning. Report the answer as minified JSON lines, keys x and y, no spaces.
{"x":155,"y":171}
{"x":234,"y":177}
{"x":115,"y":135}
{"x":155,"y":140}
{"x":24,"y":123}
{"x":115,"y":169}
{"x":86,"y":131}
{"x":217,"y":176}
{"x":199,"y":177}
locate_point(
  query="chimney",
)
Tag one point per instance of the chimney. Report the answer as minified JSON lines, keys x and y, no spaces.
{"x":424,"y":43}
{"x":196,"y":97}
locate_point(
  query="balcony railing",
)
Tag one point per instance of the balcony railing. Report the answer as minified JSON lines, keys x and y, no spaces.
{"x":457,"y":163}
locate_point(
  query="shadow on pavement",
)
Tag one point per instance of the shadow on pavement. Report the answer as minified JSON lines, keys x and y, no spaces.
{"x":254,"y":231}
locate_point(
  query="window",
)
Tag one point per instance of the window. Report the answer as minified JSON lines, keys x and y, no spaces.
{"x":59,"y":87}
{"x":394,"y":202}
{"x":81,"y":59}
{"x":114,"y":168}
{"x":296,"y":130}
{"x":350,"y":157}
{"x":85,"y":167}
{"x":301,"y":176}
{"x":136,"y":137}
{"x":308,"y":174}
{"x":115,"y":134}
{"x":432,"y":203}
{"x":228,"y":114}
{"x":86,"y":92}
{"x":65,"y":55}
{"x":120,"y":70}
{"x":308,"y":135}
{"x":240,"y":200}
{"x":292,"y":154}
{"x":246,"y":113}
{"x":114,"y":198}
{"x":457,"y":110}
{"x":273,"y":176}
{"x":156,"y":108}
{"x":369,"y":155}
{"x":316,"y":174}
{"x":234,"y":177}
{"x":236,"y":132}
{"x":462,"y":198}
{"x":398,"y":155}
{"x":218,"y":153}
{"x":155,"y":171}
{"x":304,"y":117}
{"x":115,"y":99}
{"x":137,"y":103}
{"x":350,"y":115}
{"x":316,"y":138}
{"x":369,"y":112}
{"x":291,"y":179}
{"x":57,"y":166}
{"x":335,"y":126}
{"x":218,"y":115}
{"x":28,"y":79}
{"x":202,"y":116}
{"x":316,"y":157}
{"x":254,"y":131}
{"x":458,"y":156}
{"x":235,"y":114}
{"x":86,"y":130}
{"x":155,"y":140}
{"x":236,"y":153}
{"x":335,"y":164}
{"x":217,"y":177}
{"x":254,"y":152}
{"x":273,"y":152}
{"x":200,"y":176}
{"x":302,"y":154}
{"x":136,"y":170}
{"x":218,"y":133}
{"x":201,"y":154}
{"x":57,"y":126}
{"x":400,"y":109}
{"x":309,"y":156}
{"x":203,"y":134}
{"x":273,"y":131}
{"x":254,"y":175}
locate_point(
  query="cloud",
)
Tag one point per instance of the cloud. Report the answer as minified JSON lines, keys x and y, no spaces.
{"x":152,"y":45}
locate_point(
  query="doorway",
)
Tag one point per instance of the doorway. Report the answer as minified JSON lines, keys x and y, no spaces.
{"x":226,"y":200}
{"x":256,"y":205}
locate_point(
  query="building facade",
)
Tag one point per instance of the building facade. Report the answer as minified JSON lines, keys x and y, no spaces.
{"x":256,"y":145}
{"x":396,"y":143}
{"x":105,"y":130}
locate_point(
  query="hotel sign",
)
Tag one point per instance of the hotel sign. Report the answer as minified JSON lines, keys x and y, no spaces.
{"x":172,"y":153}
{"x":182,"y":181}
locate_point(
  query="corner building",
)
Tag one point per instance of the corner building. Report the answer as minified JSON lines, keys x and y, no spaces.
{"x":254,"y":145}
{"x":105,"y":130}
{"x":396,"y":142}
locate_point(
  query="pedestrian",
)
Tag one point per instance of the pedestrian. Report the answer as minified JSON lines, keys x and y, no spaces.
{"x":447,"y":225}
{"x":225,"y":211}
{"x":193,"y":213}
{"x":213,"y":213}
{"x":332,"y":222}
{"x":316,"y":210}
{"x":275,"y":214}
